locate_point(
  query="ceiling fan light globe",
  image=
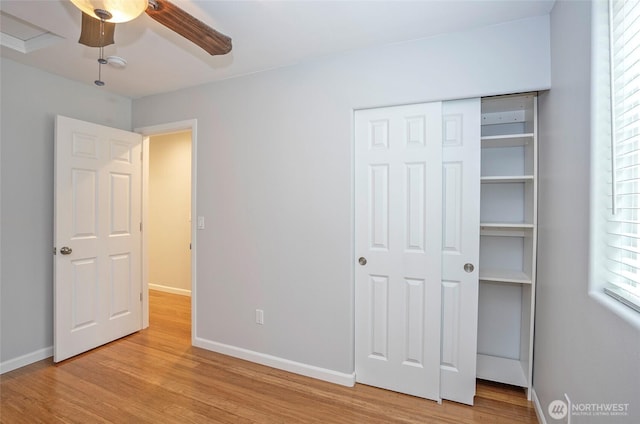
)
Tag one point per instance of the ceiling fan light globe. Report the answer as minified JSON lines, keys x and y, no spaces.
{"x":120,"y":10}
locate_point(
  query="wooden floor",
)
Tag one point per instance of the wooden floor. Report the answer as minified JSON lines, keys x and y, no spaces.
{"x":155,"y":376}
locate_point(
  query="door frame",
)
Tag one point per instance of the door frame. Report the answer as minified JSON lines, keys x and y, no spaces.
{"x":147,"y":133}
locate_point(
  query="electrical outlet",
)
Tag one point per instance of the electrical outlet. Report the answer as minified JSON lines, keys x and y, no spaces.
{"x":259,"y":316}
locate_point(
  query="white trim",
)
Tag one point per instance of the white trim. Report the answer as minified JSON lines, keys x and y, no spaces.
{"x":145,"y":225}
{"x":621,"y":310}
{"x":623,"y":296}
{"x":168,"y":128}
{"x":24,"y":360}
{"x":539,"y":411}
{"x":36,"y":43}
{"x":168,"y":289}
{"x":312,"y":371}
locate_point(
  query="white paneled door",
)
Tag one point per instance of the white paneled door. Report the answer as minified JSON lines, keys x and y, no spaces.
{"x":398,"y":226}
{"x":460,"y":248}
{"x":97,"y":288}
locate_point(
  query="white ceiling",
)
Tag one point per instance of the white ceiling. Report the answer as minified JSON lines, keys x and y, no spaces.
{"x":266,"y":34}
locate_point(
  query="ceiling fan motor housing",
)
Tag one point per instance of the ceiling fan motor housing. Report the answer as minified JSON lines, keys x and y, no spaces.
{"x":103,"y":14}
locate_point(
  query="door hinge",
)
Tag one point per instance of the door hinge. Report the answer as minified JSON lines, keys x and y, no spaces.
{"x":140,"y":296}
{"x":55,"y":251}
{"x":141,"y":227}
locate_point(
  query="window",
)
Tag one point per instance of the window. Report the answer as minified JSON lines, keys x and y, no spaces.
{"x":616,"y":154}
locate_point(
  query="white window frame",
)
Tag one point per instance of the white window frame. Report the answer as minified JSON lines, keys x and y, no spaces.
{"x":601,"y":136}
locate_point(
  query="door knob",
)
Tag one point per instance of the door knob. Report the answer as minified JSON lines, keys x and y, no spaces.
{"x":362,"y":261}
{"x":65,"y":250}
{"x":469,"y":267}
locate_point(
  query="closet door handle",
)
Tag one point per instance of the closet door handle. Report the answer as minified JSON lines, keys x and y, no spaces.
{"x":469,"y":267}
{"x":362,"y":261}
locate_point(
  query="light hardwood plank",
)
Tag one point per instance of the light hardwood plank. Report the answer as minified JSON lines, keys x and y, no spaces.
{"x":156,"y":376}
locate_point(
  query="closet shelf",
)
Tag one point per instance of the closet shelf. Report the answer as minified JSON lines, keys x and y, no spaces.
{"x":506,"y":225}
{"x":506,"y":179}
{"x":504,"y":276}
{"x":506,"y":229}
{"x":508,"y":140}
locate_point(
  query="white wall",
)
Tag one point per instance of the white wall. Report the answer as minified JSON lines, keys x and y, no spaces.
{"x":169,"y":231}
{"x":274,"y":178}
{"x":581,"y":348}
{"x":30,"y":101}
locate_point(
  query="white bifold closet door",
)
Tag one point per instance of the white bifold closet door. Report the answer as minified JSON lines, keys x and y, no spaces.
{"x":410,"y":219}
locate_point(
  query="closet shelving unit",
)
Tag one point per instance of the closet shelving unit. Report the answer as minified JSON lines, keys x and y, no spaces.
{"x":508,"y":216}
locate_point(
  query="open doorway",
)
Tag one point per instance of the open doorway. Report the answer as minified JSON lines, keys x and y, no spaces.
{"x":179,"y":279}
{"x":169,"y":224}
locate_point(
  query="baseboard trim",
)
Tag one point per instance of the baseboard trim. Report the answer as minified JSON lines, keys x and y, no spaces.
{"x":24,"y":360}
{"x":168,"y":289}
{"x":538,"y":407}
{"x":312,"y":371}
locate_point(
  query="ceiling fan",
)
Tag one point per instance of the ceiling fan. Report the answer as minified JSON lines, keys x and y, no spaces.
{"x":100,"y":16}
{"x":164,"y":12}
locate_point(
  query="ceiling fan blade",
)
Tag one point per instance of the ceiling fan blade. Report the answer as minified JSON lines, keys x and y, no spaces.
{"x":189,"y":27}
{"x":90,"y":32}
